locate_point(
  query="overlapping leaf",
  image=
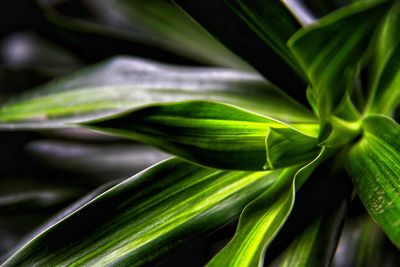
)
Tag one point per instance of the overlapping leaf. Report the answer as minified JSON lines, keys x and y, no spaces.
{"x":374,"y":164}
{"x":317,"y":244}
{"x":154,"y":29}
{"x":142,"y":217}
{"x":330,"y":50}
{"x":174,"y":29}
{"x":362,"y":243}
{"x":385,"y":94}
{"x":216,"y":135}
{"x":262,"y":219}
{"x":125,"y":82}
{"x":257,"y":31}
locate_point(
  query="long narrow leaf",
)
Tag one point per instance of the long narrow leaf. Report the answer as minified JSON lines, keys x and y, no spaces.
{"x":216,"y":135}
{"x":262,"y":219}
{"x":100,"y":162}
{"x":144,"y":216}
{"x":125,"y":82}
{"x":174,"y":29}
{"x":257,"y":31}
{"x":374,"y":165}
{"x":330,"y":51}
{"x":362,"y":243}
{"x":317,"y":244}
{"x":116,"y":31}
{"x":385,"y":94}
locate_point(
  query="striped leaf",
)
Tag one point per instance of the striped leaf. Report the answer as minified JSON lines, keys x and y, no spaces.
{"x":168,"y":26}
{"x":144,"y":216}
{"x":317,"y":244}
{"x":216,"y":135}
{"x":362,"y":243}
{"x":330,"y":51}
{"x":126,"y":82}
{"x":257,"y":31}
{"x":155,"y":29}
{"x":262,"y":219}
{"x":384,"y":93}
{"x":374,"y":165}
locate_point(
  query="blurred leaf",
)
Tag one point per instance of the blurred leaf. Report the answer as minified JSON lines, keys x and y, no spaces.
{"x":146,"y":215}
{"x":147,"y":26}
{"x":262,"y":219}
{"x":257,"y":31}
{"x":374,"y":165}
{"x":26,"y":226}
{"x":73,"y":25}
{"x":174,"y":29}
{"x":331,"y":50}
{"x":11,"y":83}
{"x":362,"y":243}
{"x":215,"y":135}
{"x":322,"y":8}
{"x":370,"y":245}
{"x":125,"y":82}
{"x":29,"y":193}
{"x":384,"y":93}
{"x":27,"y":60}
{"x":317,"y":244}
{"x":100,"y":161}
{"x":300,"y":11}
{"x":8,"y":239}
{"x":27,"y":49}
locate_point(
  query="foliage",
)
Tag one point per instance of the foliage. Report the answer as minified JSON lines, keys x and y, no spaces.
{"x":282,"y":124}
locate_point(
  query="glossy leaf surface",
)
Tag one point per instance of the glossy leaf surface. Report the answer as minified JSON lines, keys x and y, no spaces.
{"x":374,"y":165}
{"x":262,"y":219}
{"x":330,"y":51}
{"x":385,"y":93}
{"x":125,"y":82}
{"x":216,"y":135}
{"x":142,"y":217}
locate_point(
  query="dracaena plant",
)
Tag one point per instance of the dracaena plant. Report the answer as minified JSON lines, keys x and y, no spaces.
{"x":271,"y":152}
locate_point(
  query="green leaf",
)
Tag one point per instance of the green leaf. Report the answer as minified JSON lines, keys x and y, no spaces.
{"x":262,"y":219}
{"x":362,"y":243}
{"x":317,"y":244}
{"x":384,"y":93}
{"x":153,"y":29}
{"x":330,"y":51}
{"x":174,"y":29}
{"x":257,"y":31}
{"x":215,"y":135}
{"x":126,"y":82}
{"x":144,"y":216}
{"x":374,"y":165}
{"x":272,"y":22}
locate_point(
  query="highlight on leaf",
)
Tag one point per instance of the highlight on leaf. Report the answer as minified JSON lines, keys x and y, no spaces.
{"x":264,"y":106}
{"x":215,"y":135}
